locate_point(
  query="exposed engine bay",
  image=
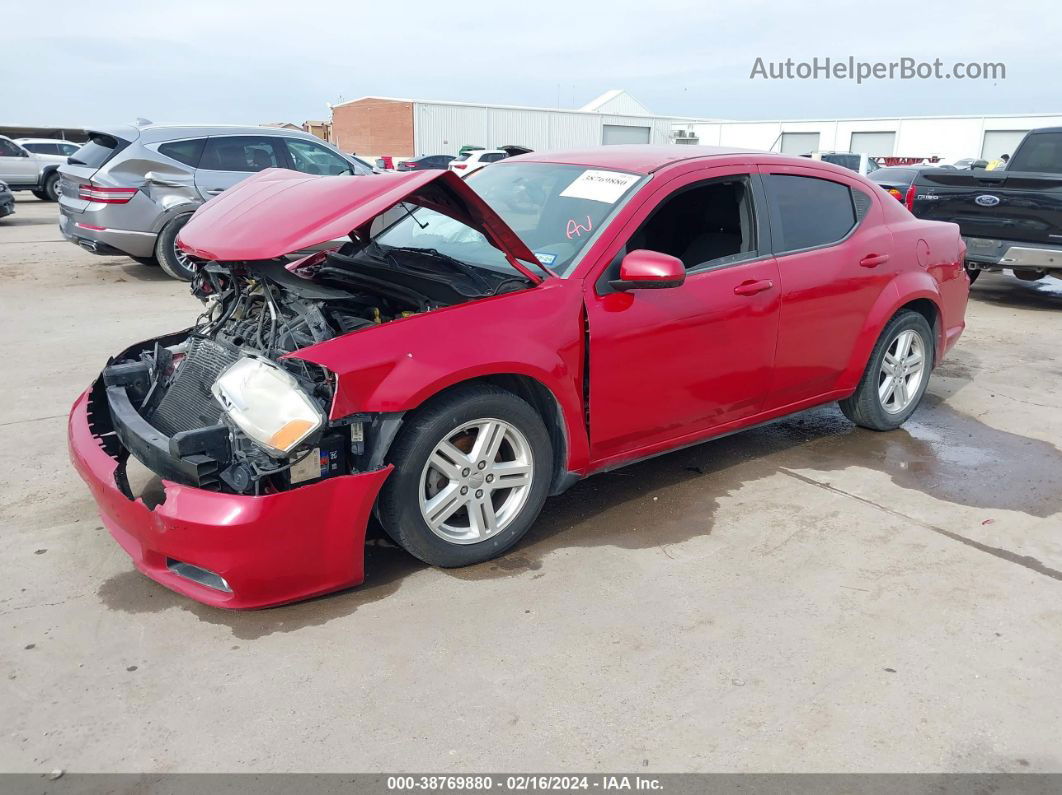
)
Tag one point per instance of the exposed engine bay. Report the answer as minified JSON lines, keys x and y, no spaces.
{"x":222,"y":407}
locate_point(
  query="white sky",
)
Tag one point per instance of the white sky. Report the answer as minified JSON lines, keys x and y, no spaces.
{"x":249,"y":62}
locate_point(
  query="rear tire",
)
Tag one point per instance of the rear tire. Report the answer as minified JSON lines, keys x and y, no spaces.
{"x":896,"y":377}
{"x":50,"y":190}
{"x":452,"y":462}
{"x":173,"y":261}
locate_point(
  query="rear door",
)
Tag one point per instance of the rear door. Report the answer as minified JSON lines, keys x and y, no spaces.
{"x":834,"y":259}
{"x":17,"y":167}
{"x":229,"y":159}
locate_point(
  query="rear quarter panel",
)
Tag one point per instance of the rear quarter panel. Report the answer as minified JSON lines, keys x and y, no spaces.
{"x":929,"y":266}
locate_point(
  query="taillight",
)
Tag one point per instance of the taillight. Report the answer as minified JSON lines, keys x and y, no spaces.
{"x":105,"y":195}
{"x":459,"y":165}
{"x":409,"y":164}
{"x":896,"y":194}
{"x":908,"y":200}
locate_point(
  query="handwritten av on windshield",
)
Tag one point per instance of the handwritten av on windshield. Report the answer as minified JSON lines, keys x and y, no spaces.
{"x":600,"y":186}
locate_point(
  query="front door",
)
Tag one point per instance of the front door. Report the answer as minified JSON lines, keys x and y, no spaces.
{"x":667,"y":365}
{"x":16,"y":165}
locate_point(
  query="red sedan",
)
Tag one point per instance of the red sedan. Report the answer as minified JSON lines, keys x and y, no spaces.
{"x":459,"y":351}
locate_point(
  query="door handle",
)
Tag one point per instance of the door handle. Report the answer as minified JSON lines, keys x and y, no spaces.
{"x":214,"y":191}
{"x":873,"y":260}
{"x":751,"y":288}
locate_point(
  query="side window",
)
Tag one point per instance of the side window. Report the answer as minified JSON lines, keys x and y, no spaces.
{"x":705,"y":223}
{"x":807,"y":212}
{"x":187,"y":152}
{"x":310,"y":158}
{"x":493,"y":157}
{"x":8,"y":149}
{"x":68,"y":149}
{"x":41,"y":149}
{"x":240,"y":153}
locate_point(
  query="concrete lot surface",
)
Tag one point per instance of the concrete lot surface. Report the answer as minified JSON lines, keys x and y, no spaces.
{"x":802,"y":597}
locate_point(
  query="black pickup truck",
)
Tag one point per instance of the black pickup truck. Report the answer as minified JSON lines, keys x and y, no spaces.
{"x":1009,"y":218}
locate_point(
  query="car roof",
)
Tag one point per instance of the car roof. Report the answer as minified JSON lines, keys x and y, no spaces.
{"x":153,"y":133}
{"x":45,"y":141}
{"x":639,"y":158}
{"x":647,"y":158}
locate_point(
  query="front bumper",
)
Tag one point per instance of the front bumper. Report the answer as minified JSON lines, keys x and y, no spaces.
{"x":7,"y":204}
{"x":267,"y":550}
{"x":102,"y":240}
{"x":990,"y":253}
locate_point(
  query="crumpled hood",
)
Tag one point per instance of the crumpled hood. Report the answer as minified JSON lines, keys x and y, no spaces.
{"x":278,"y":211}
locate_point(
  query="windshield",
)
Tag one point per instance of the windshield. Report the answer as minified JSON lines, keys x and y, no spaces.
{"x":555,"y":209}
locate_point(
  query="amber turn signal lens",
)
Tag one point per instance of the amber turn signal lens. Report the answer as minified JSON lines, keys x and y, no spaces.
{"x":293,"y":431}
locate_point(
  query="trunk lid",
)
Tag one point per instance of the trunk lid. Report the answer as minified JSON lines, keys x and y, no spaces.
{"x":1020,"y":206}
{"x":278,"y":211}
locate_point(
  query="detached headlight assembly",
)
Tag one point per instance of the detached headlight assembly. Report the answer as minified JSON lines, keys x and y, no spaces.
{"x":267,"y":404}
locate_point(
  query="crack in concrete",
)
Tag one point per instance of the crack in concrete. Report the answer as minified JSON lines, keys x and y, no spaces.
{"x":1025,"y":561}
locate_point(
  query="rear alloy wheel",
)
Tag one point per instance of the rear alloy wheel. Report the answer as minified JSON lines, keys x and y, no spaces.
{"x":896,"y":376}
{"x":172,"y":260}
{"x":472,"y":472}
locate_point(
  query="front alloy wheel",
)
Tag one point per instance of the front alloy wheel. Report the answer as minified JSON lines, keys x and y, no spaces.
{"x":472,"y":469}
{"x":476,"y":481}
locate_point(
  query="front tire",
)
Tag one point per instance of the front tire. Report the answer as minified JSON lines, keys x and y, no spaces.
{"x":172,"y":260}
{"x":896,"y":377}
{"x":472,"y":472}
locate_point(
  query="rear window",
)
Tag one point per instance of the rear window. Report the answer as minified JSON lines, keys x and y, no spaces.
{"x":1039,"y":152}
{"x":187,"y":152}
{"x":845,"y":161}
{"x":99,"y":149}
{"x":463,"y":156}
{"x":893,"y":174}
{"x":808,"y":211}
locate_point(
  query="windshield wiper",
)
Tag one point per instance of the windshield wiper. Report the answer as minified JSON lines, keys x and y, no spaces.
{"x":463,"y":267}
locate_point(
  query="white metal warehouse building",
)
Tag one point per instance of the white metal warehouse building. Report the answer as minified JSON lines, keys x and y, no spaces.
{"x":946,"y":137}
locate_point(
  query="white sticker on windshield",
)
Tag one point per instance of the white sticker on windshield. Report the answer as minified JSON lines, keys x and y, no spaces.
{"x":600,"y":186}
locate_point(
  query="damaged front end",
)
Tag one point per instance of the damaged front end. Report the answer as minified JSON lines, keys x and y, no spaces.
{"x":229,"y":405}
{"x":223,"y":406}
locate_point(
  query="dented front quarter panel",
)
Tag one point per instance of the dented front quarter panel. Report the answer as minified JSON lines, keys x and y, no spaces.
{"x":397,"y":366}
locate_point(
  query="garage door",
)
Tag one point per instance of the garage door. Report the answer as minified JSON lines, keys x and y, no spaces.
{"x":1001,"y":142}
{"x":799,"y":143}
{"x":622,"y":134}
{"x":875,"y":144}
